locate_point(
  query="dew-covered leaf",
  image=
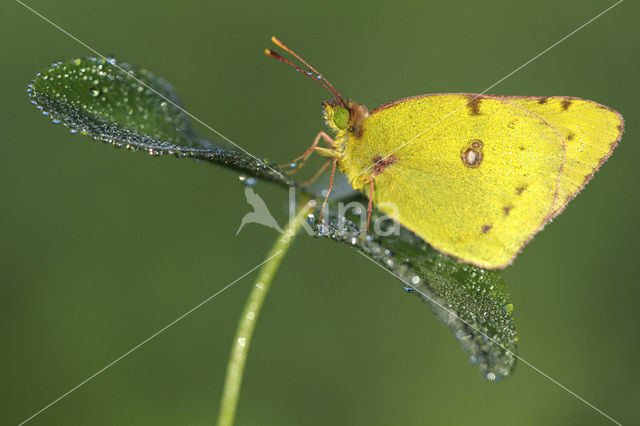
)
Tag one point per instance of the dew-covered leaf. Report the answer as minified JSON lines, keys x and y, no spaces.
{"x":473,"y":302}
{"x":131,"y":107}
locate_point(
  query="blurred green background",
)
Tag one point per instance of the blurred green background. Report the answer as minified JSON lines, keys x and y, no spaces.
{"x":100,"y":248}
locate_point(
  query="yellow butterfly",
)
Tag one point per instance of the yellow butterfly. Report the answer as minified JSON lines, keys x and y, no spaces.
{"x":475,"y":176}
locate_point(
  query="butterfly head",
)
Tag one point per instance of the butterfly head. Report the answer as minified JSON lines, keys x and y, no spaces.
{"x":344,"y":117}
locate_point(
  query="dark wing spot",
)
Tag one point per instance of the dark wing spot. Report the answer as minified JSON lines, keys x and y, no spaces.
{"x":486,"y":228}
{"x":474,"y":105}
{"x":476,"y":143}
{"x":542,"y":101}
{"x":520,"y":189}
{"x":506,"y":210}
{"x":619,"y":126}
{"x":570,"y":136}
{"x":522,"y":148}
{"x":566,"y":104}
{"x":380,"y":163}
{"x":512,"y":124}
{"x":471,"y":157}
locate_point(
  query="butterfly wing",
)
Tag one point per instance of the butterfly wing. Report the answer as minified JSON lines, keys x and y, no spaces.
{"x":475,"y":178}
{"x":591,"y":132}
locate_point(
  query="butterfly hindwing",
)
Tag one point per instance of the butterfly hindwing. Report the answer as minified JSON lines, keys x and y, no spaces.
{"x":591,"y":132}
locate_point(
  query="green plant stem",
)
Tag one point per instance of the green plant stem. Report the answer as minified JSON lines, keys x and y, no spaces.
{"x":235,"y":367}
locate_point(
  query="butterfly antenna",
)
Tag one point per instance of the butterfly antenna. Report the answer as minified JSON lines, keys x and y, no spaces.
{"x":310,"y":73}
{"x":279,"y":43}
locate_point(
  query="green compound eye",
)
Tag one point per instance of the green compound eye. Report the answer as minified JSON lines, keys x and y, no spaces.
{"x":341,"y":118}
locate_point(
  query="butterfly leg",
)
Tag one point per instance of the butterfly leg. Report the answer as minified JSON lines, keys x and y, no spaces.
{"x":370,"y":206}
{"x":309,"y":151}
{"x":326,"y":198}
{"x":325,"y":152}
{"x":318,"y":173}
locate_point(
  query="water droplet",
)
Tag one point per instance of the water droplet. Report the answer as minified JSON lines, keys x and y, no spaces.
{"x":94,"y":92}
{"x":322,"y":230}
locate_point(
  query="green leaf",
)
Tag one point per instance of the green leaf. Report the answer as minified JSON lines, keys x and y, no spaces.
{"x":131,"y":107}
{"x":473,"y":302}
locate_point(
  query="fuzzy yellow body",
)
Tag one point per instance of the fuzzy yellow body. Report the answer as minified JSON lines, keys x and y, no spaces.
{"x":477,"y":177}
